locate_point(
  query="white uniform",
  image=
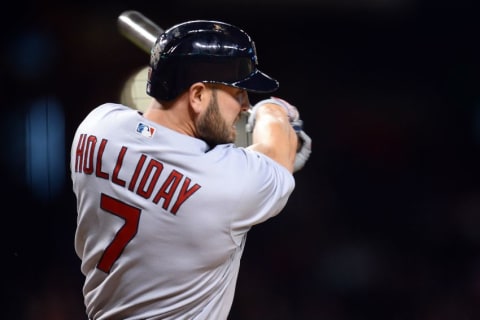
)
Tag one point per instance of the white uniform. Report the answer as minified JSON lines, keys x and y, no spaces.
{"x":162,"y":220}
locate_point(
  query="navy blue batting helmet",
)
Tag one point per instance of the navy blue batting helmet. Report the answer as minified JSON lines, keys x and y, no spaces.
{"x":204,"y":51}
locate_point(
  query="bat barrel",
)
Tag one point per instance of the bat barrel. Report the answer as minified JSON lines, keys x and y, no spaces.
{"x":139,"y":29}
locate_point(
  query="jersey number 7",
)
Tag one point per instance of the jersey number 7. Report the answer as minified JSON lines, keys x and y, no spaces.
{"x":131,"y":215}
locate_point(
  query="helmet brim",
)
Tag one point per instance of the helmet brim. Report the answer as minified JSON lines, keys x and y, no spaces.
{"x":257,"y":82}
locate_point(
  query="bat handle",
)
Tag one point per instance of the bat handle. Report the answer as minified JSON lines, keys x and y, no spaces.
{"x":139,"y":29}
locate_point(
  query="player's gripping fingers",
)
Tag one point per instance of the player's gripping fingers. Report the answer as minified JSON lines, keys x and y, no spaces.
{"x":305,"y":150}
{"x":292,"y":112}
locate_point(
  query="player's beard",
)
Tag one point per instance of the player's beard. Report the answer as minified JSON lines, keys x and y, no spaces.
{"x":211,"y":127}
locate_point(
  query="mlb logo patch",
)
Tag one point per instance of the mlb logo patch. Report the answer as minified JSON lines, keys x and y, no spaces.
{"x":145,"y":130}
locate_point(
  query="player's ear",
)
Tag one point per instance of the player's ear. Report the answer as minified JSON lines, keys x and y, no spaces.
{"x":198,"y":96}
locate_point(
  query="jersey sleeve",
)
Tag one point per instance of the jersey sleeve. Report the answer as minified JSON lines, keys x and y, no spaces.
{"x":265,"y":191}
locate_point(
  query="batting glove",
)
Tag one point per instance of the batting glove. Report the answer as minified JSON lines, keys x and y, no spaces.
{"x":292,"y":112}
{"x":294,"y":117}
{"x":304,"y":153}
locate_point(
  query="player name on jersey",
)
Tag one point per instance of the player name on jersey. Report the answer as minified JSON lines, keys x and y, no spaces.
{"x":88,"y":160}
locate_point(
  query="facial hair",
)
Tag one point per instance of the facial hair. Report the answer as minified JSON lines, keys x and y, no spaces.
{"x":211,"y":127}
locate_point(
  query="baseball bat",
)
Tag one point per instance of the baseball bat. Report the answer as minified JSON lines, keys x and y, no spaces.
{"x":140,"y":30}
{"x":143,"y":32}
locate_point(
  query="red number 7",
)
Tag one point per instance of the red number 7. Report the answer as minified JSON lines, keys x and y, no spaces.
{"x":131,"y":215}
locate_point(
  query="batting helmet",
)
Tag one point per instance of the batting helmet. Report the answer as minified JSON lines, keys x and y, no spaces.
{"x":204,"y":51}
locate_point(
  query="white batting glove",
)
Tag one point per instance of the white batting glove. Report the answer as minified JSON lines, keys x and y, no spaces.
{"x":292,"y":112}
{"x":304,"y":153}
{"x":294,"y":117}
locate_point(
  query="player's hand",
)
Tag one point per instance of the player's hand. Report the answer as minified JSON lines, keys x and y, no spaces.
{"x":292,"y":112}
{"x":305,"y":142}
{"x":304,"y":152}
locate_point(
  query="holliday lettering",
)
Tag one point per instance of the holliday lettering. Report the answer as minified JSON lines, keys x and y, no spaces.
{"x":143,"y":181}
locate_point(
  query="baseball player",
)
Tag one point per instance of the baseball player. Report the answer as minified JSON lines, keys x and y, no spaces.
{"x":165,"y":198}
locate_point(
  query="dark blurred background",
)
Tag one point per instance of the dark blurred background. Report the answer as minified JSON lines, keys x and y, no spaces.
{"x":385,"y":219}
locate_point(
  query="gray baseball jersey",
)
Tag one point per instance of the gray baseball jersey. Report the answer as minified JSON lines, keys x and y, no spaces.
{"x":162,"y":219}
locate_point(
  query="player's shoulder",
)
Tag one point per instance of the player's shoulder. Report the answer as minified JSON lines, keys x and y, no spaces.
{"x":110,"y":107}
{"x":104,"y":113}
{"x":106,"y":109}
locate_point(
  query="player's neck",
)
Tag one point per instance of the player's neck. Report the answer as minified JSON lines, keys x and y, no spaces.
{"x":175,"y":117}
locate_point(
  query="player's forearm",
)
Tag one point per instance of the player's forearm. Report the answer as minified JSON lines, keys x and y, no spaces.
{"x":274,"y":136}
